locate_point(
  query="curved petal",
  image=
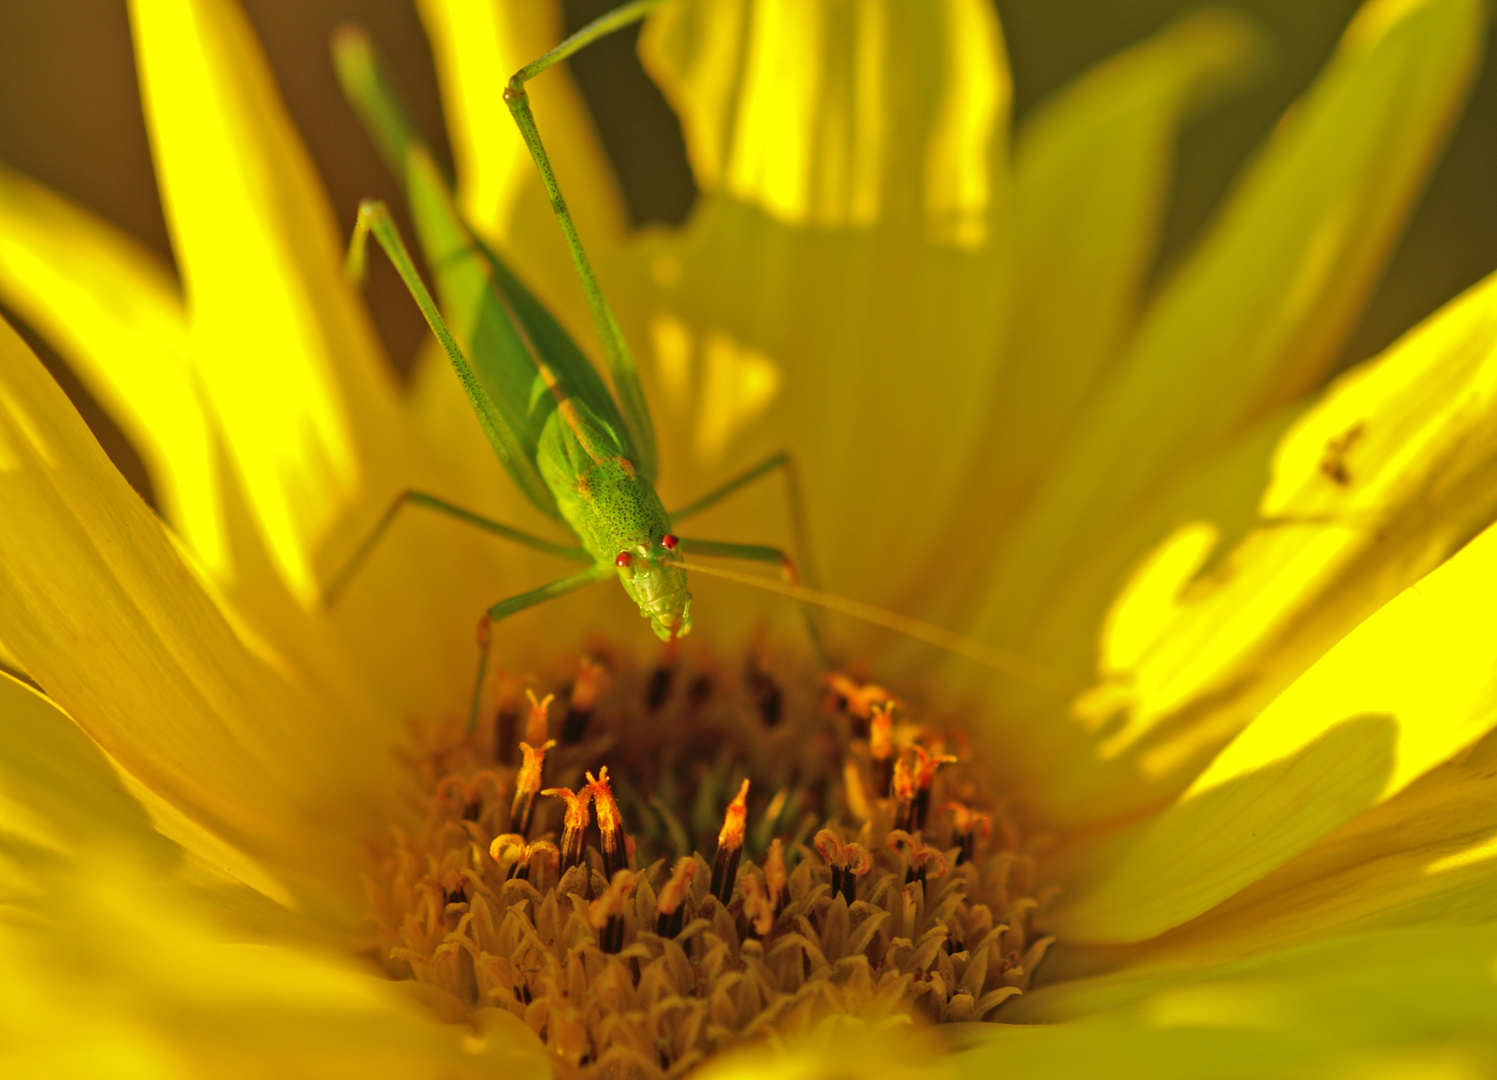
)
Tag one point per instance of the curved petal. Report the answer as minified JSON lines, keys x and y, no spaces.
{"x":99,"y":608}
{"x":1262,"y":308}
{"x":58,"y":794}
{"x":1399,"y":1003}
{"x":125,"y":978}
{"x":115,"y":313}
{"x":1370,"y":488}
{"x":1405,"y":690}
{"x":1423,"y":857}
{"x":284,"y":350}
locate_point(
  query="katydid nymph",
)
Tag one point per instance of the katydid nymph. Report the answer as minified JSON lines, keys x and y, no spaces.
{"x":584,"y":456}
{"x":580,"y":455}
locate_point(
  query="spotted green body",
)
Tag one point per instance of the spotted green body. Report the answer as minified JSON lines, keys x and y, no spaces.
{"x":615,"y":511}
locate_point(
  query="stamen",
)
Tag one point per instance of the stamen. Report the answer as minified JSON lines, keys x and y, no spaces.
{"x":904,"y":796}
{"x":606,"y":913}
{"x":610,"y":823}
{"x":926,"y":765}
{"x":881,"y":748}
{"x":527,"y":784}
{"x":969,"y":829}
{"x":574,"y":825}
{"x":670,"y":906}
{"x":921,"y":860}
{"x":580,"y":701}
{"x":848,"y":862}
{"x":508,"y":850}
{"x":538,"y":724}
{"x":775,"y":877}
{"x":857,"y":698}
{"x":758,"y":909}
{"x":730,"y":846}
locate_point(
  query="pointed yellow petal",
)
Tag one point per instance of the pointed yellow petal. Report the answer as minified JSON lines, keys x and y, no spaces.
{"x":283,"y":349}
{"x":99,"y":609}
{"x":1091,"y":172}
{"x":477,"y":47}
{"x":116,"y":315}
{"x":1262,"y":308}
{"x":800,"y":108}
{"x":1412,"y":1002}
{"x":1400,"y":694}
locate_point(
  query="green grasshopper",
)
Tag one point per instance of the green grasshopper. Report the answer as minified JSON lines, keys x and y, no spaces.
{"x":578,"y":454}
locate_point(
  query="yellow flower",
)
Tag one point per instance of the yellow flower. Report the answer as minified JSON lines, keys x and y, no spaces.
{"x":1269,"y":602}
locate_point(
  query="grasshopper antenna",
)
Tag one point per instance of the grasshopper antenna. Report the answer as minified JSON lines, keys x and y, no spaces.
{"x":989,"y":656}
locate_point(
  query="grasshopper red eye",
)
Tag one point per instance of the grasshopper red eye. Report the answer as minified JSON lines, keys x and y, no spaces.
{"x":670,"y":541}
{"x":622,"y":559}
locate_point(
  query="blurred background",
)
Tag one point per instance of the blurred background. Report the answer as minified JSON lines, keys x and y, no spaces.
{"x":70,"y":117}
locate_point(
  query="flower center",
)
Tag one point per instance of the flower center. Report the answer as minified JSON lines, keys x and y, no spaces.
{"x":647,"y":865}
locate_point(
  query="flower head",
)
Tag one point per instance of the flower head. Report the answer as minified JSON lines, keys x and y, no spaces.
{"x":1255,"y":822}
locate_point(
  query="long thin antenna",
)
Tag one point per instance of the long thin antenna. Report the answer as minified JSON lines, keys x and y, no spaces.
{"x":989,"y":656}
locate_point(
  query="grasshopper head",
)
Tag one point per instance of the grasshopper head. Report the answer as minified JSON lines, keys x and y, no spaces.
{"x":654,"y":578}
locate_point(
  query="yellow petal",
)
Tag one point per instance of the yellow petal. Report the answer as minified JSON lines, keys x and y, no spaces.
{"x":1261,"y":309}
{"x":98,"y":607}
{"x":283,"y":349}
{"x":128,"y":974}
{"x":1412,"y":1002}
{"x":477,"y":47}
{"x":1369,"y":489}
{"x":58,"y":793}
{"x":1091,"y":173}
{"x":115,"y":314}
{"x":1400,"y":694}
{"x":830,"y":259}
{"x":1424,"y":856}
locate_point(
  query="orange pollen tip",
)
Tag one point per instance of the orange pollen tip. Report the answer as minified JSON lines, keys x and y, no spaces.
{"x":970,"y":822}
{"x":829,"y":846}
{"x":881,"y":732}
{"x":576,"y":815}
{"x":585,"y":690}
{"x":509,"y":846}
{"x":857,"y":859}
{"x":775,"y":877}
{"x":860,"y":697}
{"x":604,"y":805}
{"x":904,"y":781}
{"x":538,"y":723}
{"x":611,"y":903}
{"x":674,"y":891}
{"x":529,"y":778}
{"x":926,"y":765}
{"x":758,"y":908}
{"x":735,"y":821}
{"x":542,"y":848}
